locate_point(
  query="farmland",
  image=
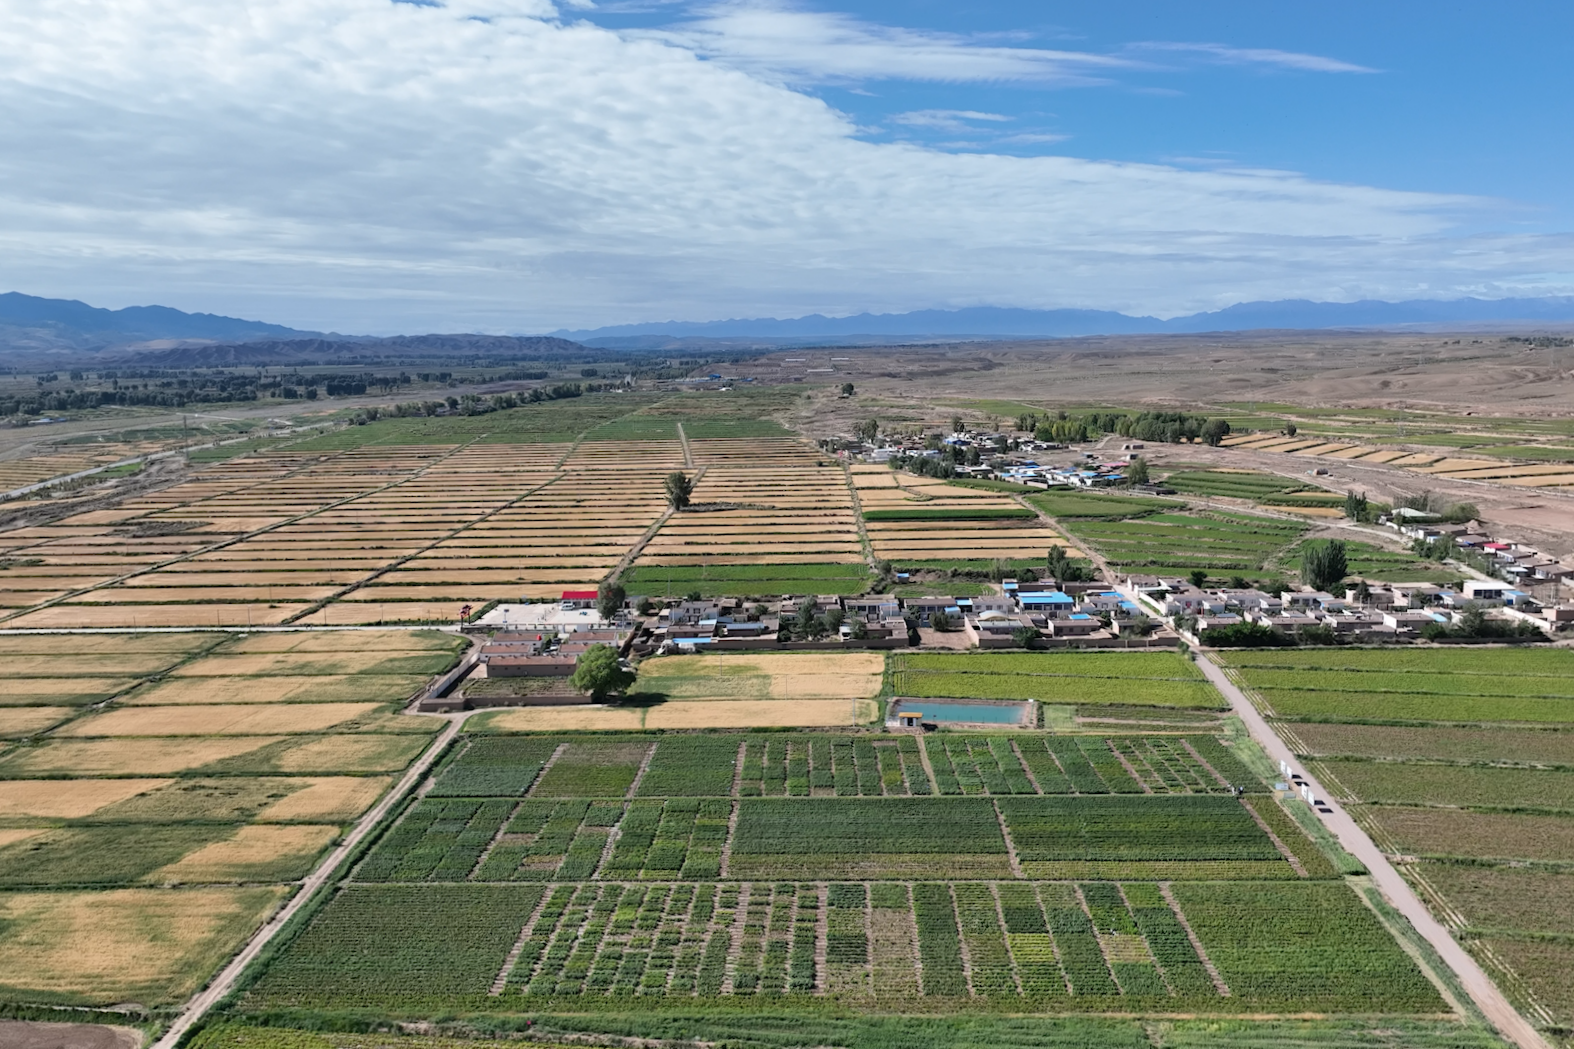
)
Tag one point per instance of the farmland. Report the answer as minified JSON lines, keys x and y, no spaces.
{"x":221,"y":769}
{"x":916,"y":523}
{"x":1138,"y":679}
{"x":1461,"y":761}
{"x":1222,"y":544}
{"x":799,"y":871}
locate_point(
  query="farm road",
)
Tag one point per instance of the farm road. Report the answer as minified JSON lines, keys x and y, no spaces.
{"x":224,"y":982}
{"x":1394,"y":888}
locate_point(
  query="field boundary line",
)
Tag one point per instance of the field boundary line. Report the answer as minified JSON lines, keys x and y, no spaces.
{"x":1278,"y":843}
{"x":1196,"y":944}
{"x":1011,"y":848}
{"x":1215,"y":773}
{"x":314,"y":883}
{"x":188,"y":555}
{"x":822,"y":936}
{"x":1025,"y":770}
{"x":546,"y":766}
{"x":732,"y":829}
{"x":961,"y":940}
{"x":613,"y":834}
{"x":1005,"y":936}
{"x":858,"y":517}
{"x":688,"y":453}
{"x":740,"y":919}
{"x":400,"y":562}
{"x":502,"y":828}
{"x":501,"y":983}
{"x":1131,"y":770}
{"x":1071,"y":540}
{"x":639,"y":774}
{"x":628,"y":559}
{"x":1492,"y":1002}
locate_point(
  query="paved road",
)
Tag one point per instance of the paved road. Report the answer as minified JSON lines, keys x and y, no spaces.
{"x":222,"y":984}
{"x":1394,"y":888}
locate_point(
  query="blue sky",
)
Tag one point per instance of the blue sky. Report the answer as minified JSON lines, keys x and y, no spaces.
{"x":1441,"y":96}
{"x":523,"y":165}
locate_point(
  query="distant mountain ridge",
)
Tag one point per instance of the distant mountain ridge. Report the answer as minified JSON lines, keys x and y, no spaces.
{"x":32,"y":322}
{"x":273,"y":352}
{"x":1004,"y":322}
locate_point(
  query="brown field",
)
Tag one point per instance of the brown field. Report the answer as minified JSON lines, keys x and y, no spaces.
{"x":118,"y":757}
{"x":134,"y":616}
{"x":69,"y":798}
{"x":329,"y":663}
{"x":774,"y":676}
{"x":1475,"y":835}
{"x":322,"y":688}
{"x":147,"y":945}
{"x":387,"y":641}
{"x":1544,"y":965}
{"x":105,"y":644}
{"x":253,"y":853}
{"x":213,"y":593}
{"x":802,"y":713}
{"x":87,"y":664}
{"x":559,"y":719}
{"x":85,"y":689}
{"x":218,"y":720}
{"x":358,"y":608}
{"x":26,"y":721}
{"x":1446,"y":744}
{"x":1504,"y":898}
{"x":369,"y":753}
{"x":335,"y":798}
{"x":12,"y":835}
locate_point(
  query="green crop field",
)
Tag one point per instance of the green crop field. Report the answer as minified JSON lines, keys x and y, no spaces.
{"x":1083,"y":504}
{"x":962,"y":513}
{"x":1239,"y":485}
{"x":1163,"y":679}
{"x":1369,"y":561}
{"x":746,"y":580}
{"x":817,"y":872}
{"x":1452,"y":779}
{"x":1175,"y":543}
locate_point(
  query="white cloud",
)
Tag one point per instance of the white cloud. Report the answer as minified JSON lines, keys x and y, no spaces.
{"x":781,"y":42}
{"x":947,"y":119}
{"x":362,"y":165}
{"x":1262,"y":56}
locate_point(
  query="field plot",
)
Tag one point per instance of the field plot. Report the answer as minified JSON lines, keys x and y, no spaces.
{"x":1173,"y":544}
{"x":918,"y":523}
{"x":238,"y":764}
{"x":1369,"y":561}
{"x":1457,"y":783}
{"x":1418,"y":686}
{"x":1235,"y":484}
{"x":631,"y":890}
{"x":750,"y":675}
{"x":1163,"y":679}
{"x":758,"y":530}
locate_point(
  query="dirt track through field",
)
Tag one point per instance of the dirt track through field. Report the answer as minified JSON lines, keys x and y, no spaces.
{"x":1394,"y":888}
{"x":222,"y":984}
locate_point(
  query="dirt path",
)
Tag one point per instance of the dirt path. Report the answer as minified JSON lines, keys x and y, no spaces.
{"x":1394,"y":888}
{"x":222,"y":984}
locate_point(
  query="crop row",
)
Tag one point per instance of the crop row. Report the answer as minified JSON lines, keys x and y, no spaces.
{"x":847,"y":766}
{"x":1439,"y":684}
{"x":1124,"y":665}
{"x":1292,"y":946}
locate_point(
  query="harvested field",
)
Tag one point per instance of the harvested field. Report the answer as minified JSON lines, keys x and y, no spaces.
{"x":253,"y":854}
{"x":60,"y":689}
{"x":1544,"y":966}
{"x":106,"y":645}
{"x":1502,"y":899}
{"x":1524,"y":789}
{"x":328,"y":688}
{"x":360,"y":753}
{"x":586,"y":718}
{"x":389,"y":641}
{"x":147,"y":945}
{"x":803,"y":713}
{"x":218,"y":720}
{"x":107,"y":664}
{"x":119,"y":757}
{"x":765,"y":676}
{"x":135,"y":616}
{"x":26,"y":721}
{"x":375,"y":660}
{"x":358,"y":608}
{"x":336,"y":798}
{"x":69,"y":799}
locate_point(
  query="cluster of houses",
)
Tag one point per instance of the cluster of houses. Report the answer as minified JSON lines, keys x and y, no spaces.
{"x":1081,"y":614}
{"x":1515,"y":561}
{"x":1395,"y":612}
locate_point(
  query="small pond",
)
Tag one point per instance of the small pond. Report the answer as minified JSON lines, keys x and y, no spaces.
{"x":958,"y":712}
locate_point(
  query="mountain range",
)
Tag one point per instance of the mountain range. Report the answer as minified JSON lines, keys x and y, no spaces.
{"x":29,"y":324}
{"x":998,"y":322}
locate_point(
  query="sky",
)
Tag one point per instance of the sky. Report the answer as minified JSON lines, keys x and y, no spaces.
{"x":379,"y":166}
